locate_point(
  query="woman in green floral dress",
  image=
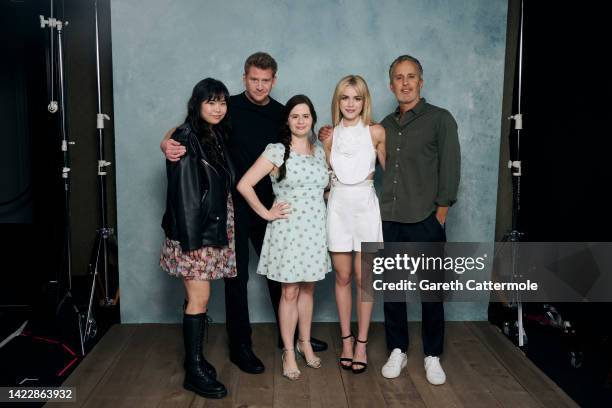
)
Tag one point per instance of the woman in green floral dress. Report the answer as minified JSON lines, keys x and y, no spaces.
{"x":294,"y":250}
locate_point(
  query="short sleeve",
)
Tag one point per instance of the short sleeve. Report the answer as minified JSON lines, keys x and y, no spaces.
{"x":319,"y":150}
{"x":275,"y":153}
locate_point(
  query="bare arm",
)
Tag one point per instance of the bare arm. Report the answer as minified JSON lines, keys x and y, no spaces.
{"x":327,"y":145}
{"x":260,"y":169}
{"x":326,"y":140}
{"x":378,"y":140}
{"x":326,"y":137}
{"x":172,"y":149}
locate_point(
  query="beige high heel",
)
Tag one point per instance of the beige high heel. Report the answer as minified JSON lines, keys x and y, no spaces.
{"x":314,"y":363}
{"x":293,"y":374}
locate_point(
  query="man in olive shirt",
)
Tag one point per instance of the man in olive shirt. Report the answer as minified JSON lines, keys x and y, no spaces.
{"x":419,"y":185}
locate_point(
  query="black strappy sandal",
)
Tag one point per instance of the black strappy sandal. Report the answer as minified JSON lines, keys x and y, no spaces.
{"x":362,"y":365}
{"x":346,"y":359}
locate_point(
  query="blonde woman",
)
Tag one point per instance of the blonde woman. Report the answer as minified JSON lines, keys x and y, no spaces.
{"x":353,"y":214}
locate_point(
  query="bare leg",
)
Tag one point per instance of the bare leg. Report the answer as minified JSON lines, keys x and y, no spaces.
{"x":342,"y":265}
{"x":305,"y":305}
{"x":364,"y":314}
{"x":288,"y":318}
{"x":198,"y":294}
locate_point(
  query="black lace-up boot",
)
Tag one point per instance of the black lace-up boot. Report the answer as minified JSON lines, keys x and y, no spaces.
{"x":199,"y":377}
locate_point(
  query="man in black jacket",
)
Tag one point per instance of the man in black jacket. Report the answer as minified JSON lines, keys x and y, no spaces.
{"x":256,"y":119}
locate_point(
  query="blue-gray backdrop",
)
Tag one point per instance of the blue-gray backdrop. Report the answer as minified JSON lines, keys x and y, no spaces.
{"x":161,"y":48}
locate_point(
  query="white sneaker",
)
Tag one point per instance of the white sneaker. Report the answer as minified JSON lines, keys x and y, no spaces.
{"x":394,"y":365}
{"x":434,"y":372}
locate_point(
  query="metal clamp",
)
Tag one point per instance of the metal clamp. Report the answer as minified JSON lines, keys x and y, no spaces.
{"x":52,"y":22}
{"x":101,"y":165}
{"x":100,"y":117}
{"x":518,"y":121}
{"x":515,"y":165}
{"x":106,"y":232}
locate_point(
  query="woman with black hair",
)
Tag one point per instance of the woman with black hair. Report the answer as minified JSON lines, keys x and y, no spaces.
{"x":199,"y":222}
{"x":294,"y":250}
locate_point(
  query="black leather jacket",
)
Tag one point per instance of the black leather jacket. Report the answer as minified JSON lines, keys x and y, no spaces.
{"x":196,"y":200}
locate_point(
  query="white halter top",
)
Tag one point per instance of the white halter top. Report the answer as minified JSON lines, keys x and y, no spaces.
{"x":352,"y":157}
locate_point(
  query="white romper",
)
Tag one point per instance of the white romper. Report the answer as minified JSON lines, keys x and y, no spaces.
{"x":353,"y":213}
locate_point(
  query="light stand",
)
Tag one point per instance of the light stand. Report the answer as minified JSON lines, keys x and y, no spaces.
{"x":514,"y":236}
{"x":103,"y":233}
{"x":98,"y":265}
{"x":549,"y":315}
{"x":56,"y":27}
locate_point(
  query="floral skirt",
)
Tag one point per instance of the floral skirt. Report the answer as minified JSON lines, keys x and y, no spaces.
{"x":210,"y":262}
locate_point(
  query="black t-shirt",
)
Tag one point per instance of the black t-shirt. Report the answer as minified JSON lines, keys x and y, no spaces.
{"x":253,"y":128}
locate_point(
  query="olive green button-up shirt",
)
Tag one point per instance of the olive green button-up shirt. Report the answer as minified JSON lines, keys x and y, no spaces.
{"x":423,"y":163}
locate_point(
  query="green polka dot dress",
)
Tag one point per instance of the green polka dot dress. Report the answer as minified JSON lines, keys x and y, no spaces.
{"x":295,"y":248}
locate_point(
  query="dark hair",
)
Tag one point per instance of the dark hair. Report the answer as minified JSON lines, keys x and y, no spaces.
{"x":403,"y":58}
{"x":285,"y":132}
{"x":206,"y":90}
{"x":261,"y":60}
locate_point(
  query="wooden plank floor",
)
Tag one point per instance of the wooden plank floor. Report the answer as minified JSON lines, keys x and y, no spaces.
{"x":141,"y":366}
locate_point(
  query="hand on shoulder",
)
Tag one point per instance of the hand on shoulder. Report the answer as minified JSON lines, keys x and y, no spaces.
{"x":172,"y":149}
{"x":325,"y":134}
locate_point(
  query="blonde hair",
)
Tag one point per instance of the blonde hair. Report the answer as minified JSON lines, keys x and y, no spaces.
{"x":361,"y":87}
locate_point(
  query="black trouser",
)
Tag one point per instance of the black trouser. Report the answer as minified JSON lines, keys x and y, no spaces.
{"x":248,"y":226}
{"x":396,"y":318}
